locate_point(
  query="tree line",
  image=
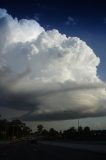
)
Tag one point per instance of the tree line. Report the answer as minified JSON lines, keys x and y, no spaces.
{"x":14,"y":128}
{"x":18,"y":129}
{"x":81,"y":133}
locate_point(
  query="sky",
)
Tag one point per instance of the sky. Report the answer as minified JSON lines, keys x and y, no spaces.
{"x":52,"y":62}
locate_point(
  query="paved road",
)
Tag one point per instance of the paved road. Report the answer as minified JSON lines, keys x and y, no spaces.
{"x":28,"y":151}
{"x":100,"y":148}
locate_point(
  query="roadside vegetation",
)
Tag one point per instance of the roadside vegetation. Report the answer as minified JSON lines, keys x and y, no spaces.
{"x":17,"y":129}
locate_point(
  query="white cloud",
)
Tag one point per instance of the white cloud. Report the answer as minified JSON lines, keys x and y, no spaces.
{"x":47,"y":74}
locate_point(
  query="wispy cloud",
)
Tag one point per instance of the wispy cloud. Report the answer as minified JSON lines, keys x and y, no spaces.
{"x":37,"y":16}
{"x":104,"y":20}
{"x":70,"y":20}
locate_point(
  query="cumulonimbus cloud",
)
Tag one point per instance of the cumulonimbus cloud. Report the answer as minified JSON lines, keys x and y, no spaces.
{"x":46,"y":73}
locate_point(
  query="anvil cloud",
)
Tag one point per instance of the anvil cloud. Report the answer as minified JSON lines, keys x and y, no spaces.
{"x":46,"y":74}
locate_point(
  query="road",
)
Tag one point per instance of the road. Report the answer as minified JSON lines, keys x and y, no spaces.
{"x":25,"y":150}
{"x":94,"y":147}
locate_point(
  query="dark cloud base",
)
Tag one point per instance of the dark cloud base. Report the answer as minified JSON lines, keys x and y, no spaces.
{"x":62,"y":115}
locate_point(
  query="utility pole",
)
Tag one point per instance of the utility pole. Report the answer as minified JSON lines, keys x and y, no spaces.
{"x":78,"y":123}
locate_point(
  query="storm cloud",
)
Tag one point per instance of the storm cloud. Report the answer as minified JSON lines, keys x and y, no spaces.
{"x":47,"y":74}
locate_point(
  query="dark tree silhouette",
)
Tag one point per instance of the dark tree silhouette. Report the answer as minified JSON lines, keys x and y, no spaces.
{"x":40,"y":128}
{"x":87,"y":129}
{"x":14,"y":128}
